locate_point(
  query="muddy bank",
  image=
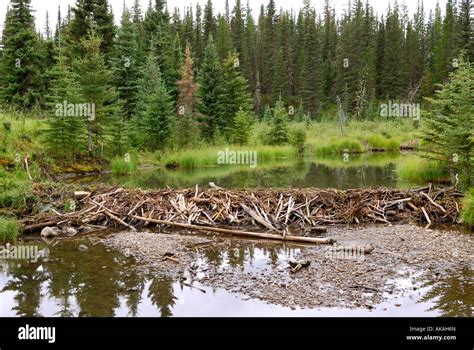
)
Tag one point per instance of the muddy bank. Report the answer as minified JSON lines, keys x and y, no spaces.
{"x":345,"y":275}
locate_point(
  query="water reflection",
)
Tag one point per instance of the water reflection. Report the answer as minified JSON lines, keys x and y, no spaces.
{"x":359,"y":172}
{"x":103,"y":283}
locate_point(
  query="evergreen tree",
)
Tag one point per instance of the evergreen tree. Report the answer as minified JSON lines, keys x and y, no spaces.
{"x":187,"y":88}
{"x":209,"y":22}
{"x":444,"y":52}
{"x":242,"y":127}
{"x":92,"y":15}
{"x":449,"y":132}
{"x":20,"y":71}
{"x":393,"y":83}
{"x":64,"y":136}
{"x":126,"y":64}
{"x":279,"y":133}
{"x":234,"y":95}
{"x":210,"y":91}
{"x":466,"y":27}
{"x":95,"y":80}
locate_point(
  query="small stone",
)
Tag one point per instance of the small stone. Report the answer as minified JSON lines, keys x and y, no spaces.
{"x":49,"y":232}
{"x":71,"y":232}
{"x":83,"y":248}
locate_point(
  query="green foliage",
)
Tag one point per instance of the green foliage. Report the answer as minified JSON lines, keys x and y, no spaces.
{"x":242,"y":127}
{"x":449,"y":131}
{"x":421,"y":171}
{"x":20,"y":70}
{"x":9,"y":229}
{"x":279,"y":133}
{"x":468,"y":208}
{"x":124,"y":165}
{"x":298,"y":138}
{"x":210,"y":91}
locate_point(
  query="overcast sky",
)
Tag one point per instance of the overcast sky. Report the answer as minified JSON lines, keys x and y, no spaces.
{"x":42,"y":6}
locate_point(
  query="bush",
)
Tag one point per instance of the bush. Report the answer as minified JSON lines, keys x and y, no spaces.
{"x":298,"y":138}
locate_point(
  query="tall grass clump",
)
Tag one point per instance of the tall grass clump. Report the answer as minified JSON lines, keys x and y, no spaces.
{"x":418,"y":170}
{"x":468,"y":208}
{"x":9,"y":229}
{"x":122,"y":166}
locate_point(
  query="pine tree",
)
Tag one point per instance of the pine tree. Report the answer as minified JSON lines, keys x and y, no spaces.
{"x":466,"y":27}
{"x":393,"y":82}
{"x":210,"y":91}
{"x":268,"y":50}
{"x":234,"y":96}
{"x":158,"y":117}
{"x":237,"y":28}
{"x":187,"y":131}
{"x":223,"y":38}
{"x":242,"y":127}
{"x":444,"y":52}
{"x":187,"y":88}
{"x":95,"y":80}
{"x":449,"y":134}
{"x":209,"y":22}
{"x":279,"y":133}
{"x":126,"y":64}
{"x":20,"y":71}
{"x":64,"y":136}
{"x":92,"y":15}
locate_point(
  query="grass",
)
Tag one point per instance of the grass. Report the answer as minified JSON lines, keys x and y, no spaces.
{"x":468,"y":208}
{"x":208,"y":156}
{"x":9,"y":229}
{"x":418,"y":170}
{"x":122,"y":166}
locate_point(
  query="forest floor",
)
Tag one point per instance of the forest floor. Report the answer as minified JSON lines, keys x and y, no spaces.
{"x":332,"y":279}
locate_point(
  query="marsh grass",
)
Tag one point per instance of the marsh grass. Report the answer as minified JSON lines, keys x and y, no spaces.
{"x":9,"y":229}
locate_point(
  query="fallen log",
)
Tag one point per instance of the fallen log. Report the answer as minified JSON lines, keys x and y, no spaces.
{"x":238,"y":232}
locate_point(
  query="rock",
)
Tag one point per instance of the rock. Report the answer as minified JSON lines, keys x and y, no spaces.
{"x":83,"y":248}
{"x":49,"y":232}
{"x":71,"y":232}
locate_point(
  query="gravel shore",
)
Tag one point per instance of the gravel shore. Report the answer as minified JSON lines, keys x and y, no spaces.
{"x":361,"y":270}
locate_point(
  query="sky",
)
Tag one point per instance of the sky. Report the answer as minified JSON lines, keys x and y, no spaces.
{"x":51,"y":6}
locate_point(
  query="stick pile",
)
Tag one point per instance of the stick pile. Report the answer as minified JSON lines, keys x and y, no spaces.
{"x":282,"y":214}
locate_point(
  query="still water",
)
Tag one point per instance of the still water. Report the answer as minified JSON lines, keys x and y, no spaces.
{"x":358,"y":171}
{"x":102,"y":282}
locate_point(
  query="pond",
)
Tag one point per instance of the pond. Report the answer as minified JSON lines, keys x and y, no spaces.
{"x":102,"y":282}
{"x":356,"y":171}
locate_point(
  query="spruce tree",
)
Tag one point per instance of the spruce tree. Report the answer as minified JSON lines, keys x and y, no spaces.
{"x":187,"y":88}
{"x":20,"y":72}
{"x":95,"y":80}
{"x":448,"y":132}
{"x":126,"y":64}
{"x":466,"y":27}
{"x":242,"y":127}
{"x":234,"y":96}
{"x":279,"y":133}
{"x":64,"y":135}
{"x":210,"y":91}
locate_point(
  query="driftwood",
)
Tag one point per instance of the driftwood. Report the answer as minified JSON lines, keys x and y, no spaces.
{"x":285,"y":215}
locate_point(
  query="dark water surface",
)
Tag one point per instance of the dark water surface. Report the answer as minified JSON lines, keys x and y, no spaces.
{"x":102,"y":282}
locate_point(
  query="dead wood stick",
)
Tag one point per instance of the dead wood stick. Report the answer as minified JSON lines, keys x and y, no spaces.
{"x":426,"y":215}
{"x":433,"y":202}
{"x":28,"y":168}
{"x":239,"y":233}
{"x":257,"y":217}
{"x":113,"y":217}
{"x":34,"y":227}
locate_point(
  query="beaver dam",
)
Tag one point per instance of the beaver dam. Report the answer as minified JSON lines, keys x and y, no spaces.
{"x":294,"y":215}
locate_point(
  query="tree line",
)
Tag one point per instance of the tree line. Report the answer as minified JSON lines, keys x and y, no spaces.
{"x":168,"y":79}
